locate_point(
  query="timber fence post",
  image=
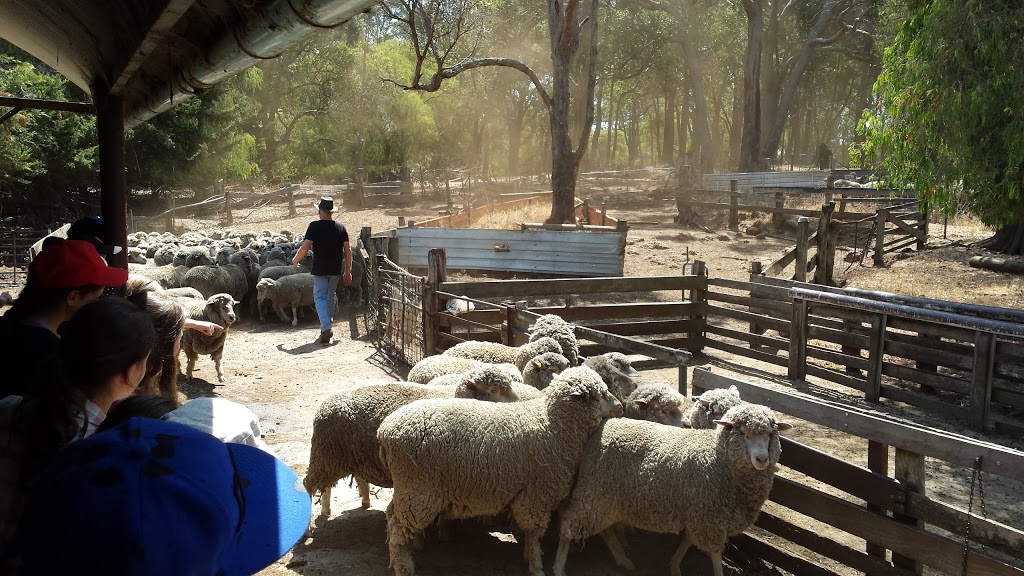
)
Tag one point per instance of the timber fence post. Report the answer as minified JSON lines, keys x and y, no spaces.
{"x":802,"y":225}
{"x":881,"y":216}
{"x":910,"y":471}
{"x":798,"y":341}
{"x":734,"y":199}
{"x":437,"y":273}
{"x":821,"y":259}
{"x":981,"y":390}
{"x":229,"y":218}
{"x":291,"y":202}
{"x":699,"y":298}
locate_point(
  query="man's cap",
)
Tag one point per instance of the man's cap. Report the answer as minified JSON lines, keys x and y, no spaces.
{"x":222,"y":418}
{"x":153,"y":497}
{"x":90,"y":229}
{"x":70,"y":264}
{"x":326,"y":204}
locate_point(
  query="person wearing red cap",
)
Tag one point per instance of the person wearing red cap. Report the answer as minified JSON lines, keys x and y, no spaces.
{"x":62,"y":279}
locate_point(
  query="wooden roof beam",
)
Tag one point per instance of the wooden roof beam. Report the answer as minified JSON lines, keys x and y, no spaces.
{"x":154,"y":37}
{"x":36,"y":104}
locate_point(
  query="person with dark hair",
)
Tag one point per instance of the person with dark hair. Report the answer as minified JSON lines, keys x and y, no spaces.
{"x":331,"y":252}
{"x":90,"y":229}
{"x":102,"y":358}
{"x":61,"y":280}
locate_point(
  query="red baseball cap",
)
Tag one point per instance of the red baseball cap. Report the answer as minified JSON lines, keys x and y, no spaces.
{"x":73,"y":263}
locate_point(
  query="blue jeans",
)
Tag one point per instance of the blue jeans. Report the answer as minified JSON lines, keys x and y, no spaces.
{"x":324,"y":288}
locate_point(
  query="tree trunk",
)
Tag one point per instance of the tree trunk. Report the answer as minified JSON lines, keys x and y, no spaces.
{"x":593,"y":159}
{"x":702,"y":143}
{"x":793,"y":81}
{"x":1006,"y":240}
{"x":668,"y":143}
{"x":515,"y":141}
{"x":750,"y":141}
{"x":770,"y":82}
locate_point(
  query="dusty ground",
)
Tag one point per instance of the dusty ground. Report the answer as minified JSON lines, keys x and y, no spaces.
{"x":283,"y":375}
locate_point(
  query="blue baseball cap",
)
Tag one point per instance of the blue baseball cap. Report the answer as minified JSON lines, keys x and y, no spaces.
{"x":150,"y":498}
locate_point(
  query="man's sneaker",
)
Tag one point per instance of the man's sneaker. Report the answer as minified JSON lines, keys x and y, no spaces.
{"x":325,"y":337}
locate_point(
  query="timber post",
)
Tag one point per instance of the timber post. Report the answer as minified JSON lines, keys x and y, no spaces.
{"x":585,"y":212}
{"x":798,"y":342}
{"x":169,"y":221}
{"x":802,"y":225}
{"x":228,"y":217}
{"x":821,"y":272}
{"x":756,"y":269}
{"x":604,"y":212}
{"x":910,"y":471}
{"x":780,"y":204}
{"x":734,"y":200}
{"x":291,"y":202}
{"x":981,"y":389}
{"x":878,"y":462}
{"x":699,"y":299}
{"x":922,"y":241}
{"x":876,"y":352}
{"x":881,"y":216}
{"x":381,"y":300}
{"x":437,"y":273}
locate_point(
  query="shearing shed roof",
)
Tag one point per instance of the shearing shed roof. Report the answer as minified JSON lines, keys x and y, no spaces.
{"x":155,"y":53}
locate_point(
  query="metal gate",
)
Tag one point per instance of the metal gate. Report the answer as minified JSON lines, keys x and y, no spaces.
{"x":397,"y":307}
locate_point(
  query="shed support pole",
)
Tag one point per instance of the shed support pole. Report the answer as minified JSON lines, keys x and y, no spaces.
{"x":113,"y":187}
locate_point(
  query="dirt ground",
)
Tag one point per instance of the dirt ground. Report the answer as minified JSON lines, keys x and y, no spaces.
{"x":283,"y":375}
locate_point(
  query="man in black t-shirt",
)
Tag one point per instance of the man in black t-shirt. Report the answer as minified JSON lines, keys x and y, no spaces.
{"x":331,"y":252}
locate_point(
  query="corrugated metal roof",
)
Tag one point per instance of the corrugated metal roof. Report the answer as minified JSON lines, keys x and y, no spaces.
{"x":156,"y":53}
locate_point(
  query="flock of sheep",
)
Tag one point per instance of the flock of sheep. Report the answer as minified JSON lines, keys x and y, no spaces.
{"x":486,"y":429}
{"x":217,"y":275}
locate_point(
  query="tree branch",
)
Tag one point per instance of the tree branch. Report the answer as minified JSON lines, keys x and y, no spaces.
{"x":442,"y":75}
{"x":570,"y":13}
{"x":588,"y":116}
{"x":286,"y":137}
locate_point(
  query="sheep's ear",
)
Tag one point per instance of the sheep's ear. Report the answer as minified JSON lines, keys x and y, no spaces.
{"x":537,"y":364}
{"x":469,"y":383}
{"x":236,"y":302}
{"x":640,"y":402}
{"x":782,"y":426}
{"x":734,"y":391}
{"x":724,"y":423}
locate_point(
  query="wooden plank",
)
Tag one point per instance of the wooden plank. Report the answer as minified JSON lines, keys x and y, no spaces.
{"x":827,"y":547}
{"x":931,"y":549}
{"x":917,"y":233}
{"x":925,"y":378}
{"x":983,"y":531}
{"x":622,"y":311}
{"x":929,"y":402}
{"x":784,"y":559}
{"x":876,"y":357}
{"x":749,"y":208}
{"x":847,"y":380}
{"x":678,"y":357}
{"x":765,"y":321}
{"x":646,"y":327}
{"x":769,"y":341}
{"x":843,"y":313}
{"x":459,"y":321}
{"x":910,"y":472}
{"x":747,"y":352}
{"x":784,"y":307}
{"x":492,"y":317}
{"x":930,"y":355}
{"x":838,"y":337}
{"x":953,"y":448}
{"x":839,"y":358}
{"x":1009,"y":397}
{"x":574,"y":286}
{"x":874,"y":488}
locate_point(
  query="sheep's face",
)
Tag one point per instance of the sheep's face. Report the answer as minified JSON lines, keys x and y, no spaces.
{"x":660,"y":409}
{"x":263,"y":288}
{"x":220,"y":308}
{"x":616,"y":371}
{"x":548,"y":365}
{"x":713,"y":405}
{"x":136,"y":256}
{"x":490,"y":386}
{"x":752,"y":435}
{"x":198,"y":259}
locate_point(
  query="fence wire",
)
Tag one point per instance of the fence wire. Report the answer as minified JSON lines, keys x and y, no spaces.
{"x":397,"y":307}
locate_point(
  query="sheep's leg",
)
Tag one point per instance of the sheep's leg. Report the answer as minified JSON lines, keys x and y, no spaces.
{"x":364,"y":492}
{"x":677,"y":559}
{"x":611,"y":539}
{"x":561,"y":556}
{"x":533,"y":553}
{"x":217,"y":363}
{"x":295,"y":315}
{"x":408,"y":515}
{"x":190,"y":367}
{"x":325,"y":502}
{"x":716,"y":562}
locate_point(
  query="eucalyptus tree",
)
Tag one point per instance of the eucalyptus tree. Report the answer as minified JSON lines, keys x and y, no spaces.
{"x":949,"y":120}
{"x":444,"y":35}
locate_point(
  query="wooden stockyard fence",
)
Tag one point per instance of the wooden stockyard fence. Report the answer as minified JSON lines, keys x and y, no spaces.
{"x":961,"y":361}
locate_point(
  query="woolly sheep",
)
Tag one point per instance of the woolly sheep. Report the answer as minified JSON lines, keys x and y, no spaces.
{"x":353,"y":293}
{"x":164,"y":255}
{"x":498,"y":353}
{"x":709,"y":484}
{"x":231,"y":279}
{"x":184,"y":292}
{"x":192,"y":256}
{"x":218,"y":309}
{"x":433,"y":366}
{"x":136,"y":256}
{"x":711,"y":406}
{"x":166,"y":276}
{"x":344,"y":441}
{"x":655,"y":402}
{"x":536,"y":376}
{"x":466,"y":459}
{"x":616,"y":371}
{"x":293,"y":292}
{"x":563,"y":332}
{"x":275,"y":273}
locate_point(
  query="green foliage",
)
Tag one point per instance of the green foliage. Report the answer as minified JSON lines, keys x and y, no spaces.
{"x":949,"y":120}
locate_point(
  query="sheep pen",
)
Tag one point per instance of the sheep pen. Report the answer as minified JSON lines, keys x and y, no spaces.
{"x":270,"y":368}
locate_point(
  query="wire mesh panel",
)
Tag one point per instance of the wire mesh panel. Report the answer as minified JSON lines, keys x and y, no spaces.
{"x":399,"y":312}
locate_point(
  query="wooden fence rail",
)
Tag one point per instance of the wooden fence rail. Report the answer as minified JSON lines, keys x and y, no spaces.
{"x":909,"y":533}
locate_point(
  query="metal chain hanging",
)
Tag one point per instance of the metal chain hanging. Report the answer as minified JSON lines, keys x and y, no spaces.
{"x":979,"y":479}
